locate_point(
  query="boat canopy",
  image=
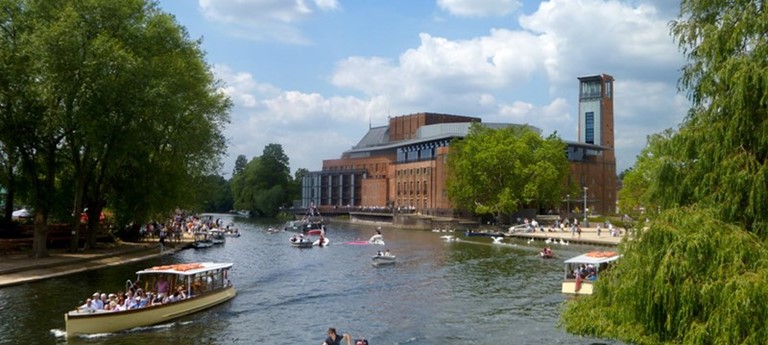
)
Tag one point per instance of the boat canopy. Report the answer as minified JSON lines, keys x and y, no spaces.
{"x":185,"y":269}
{"x":593,"y":258}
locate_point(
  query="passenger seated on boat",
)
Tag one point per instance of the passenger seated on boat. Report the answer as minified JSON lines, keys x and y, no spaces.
{"x":134,"y":302}
{"x":87,"y":307}
{"x":379,"y":253}
{"x":387,"y":253}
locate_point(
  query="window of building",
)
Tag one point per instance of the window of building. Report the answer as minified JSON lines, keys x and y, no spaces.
{"x":418,"y":187}
{"x":589,"y":127}
{"x":608,"y":89}
{"x":590,"y":89}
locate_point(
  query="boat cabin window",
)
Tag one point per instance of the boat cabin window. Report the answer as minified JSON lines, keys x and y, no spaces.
{"x":207,"y":281}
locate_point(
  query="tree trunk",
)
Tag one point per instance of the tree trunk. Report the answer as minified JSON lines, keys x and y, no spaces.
{"x":10,"y":190}
{"x":40,"y":238}
{"x":94,"y":222}
{"x":77,"y":211}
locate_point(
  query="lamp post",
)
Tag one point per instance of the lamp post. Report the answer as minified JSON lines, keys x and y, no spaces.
{"x":586,"y":222}
{"x":568,"y":210}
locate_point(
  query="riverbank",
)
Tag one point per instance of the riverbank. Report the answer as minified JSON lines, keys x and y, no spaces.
{"x":589,"y":235}
{"x":19,"y":268}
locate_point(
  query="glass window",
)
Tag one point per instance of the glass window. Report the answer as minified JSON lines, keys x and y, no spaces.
{"x":590,"y":89}
{"x":608,"y":89}
{"x":589,"y":127}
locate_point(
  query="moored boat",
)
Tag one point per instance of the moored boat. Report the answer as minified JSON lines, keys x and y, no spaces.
{"x":204,"y":284}
{"x":581,"y":272}
{"x":217,"y":236}
{"x":202,"y":240}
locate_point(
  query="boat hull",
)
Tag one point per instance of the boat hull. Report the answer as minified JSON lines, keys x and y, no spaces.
{"x":109,"y":322}
{"x":569,"y":287}
{"x":383,"y":260}
{"x":306,"y":244}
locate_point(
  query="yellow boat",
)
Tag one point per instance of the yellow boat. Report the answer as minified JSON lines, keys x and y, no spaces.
{"x":581,"y":272}
{"x":205,"y":285}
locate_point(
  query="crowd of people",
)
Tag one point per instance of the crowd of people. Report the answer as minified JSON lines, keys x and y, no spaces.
{"x":134,"y":298}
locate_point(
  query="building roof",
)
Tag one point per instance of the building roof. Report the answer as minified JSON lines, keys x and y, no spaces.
{"x":377,"y":138}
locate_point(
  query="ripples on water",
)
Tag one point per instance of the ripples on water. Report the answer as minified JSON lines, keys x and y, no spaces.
{"x":436,"y":293}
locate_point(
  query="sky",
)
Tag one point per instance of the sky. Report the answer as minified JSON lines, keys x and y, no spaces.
{"x":314,"y":75}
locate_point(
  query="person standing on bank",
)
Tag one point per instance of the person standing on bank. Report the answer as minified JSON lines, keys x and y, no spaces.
{"x":334,"y":338}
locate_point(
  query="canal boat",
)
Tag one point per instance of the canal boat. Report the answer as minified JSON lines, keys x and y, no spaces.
{"x":582,"y":271}
{"x":204,"y":284}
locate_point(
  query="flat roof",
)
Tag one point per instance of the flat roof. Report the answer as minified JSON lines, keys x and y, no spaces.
{"x":594,"y":258}
{"x":187,"y":269}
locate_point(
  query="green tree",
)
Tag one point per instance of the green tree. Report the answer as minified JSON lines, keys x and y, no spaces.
{"x":264,"y":185}
{"x":640,"y":188}
{"x":119,"y":109}
{"x":298,"y":176}
{"x":698,"y":274}
{"x":519,"y":168}
{"x":240,"y":163}
{"x":216,"y":194}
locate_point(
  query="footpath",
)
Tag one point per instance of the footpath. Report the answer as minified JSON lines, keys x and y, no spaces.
{"x":589,"y":236}
{"x":19,"y":268}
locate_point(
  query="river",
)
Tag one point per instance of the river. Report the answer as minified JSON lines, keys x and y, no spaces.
{"x":437,"y":293}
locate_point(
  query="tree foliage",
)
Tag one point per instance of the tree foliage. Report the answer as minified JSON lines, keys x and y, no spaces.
{"x":698,"y":274}
{"x":114,"y":104}
{"x":498,"y":171}
{"x":264,"y":184}
{"x":689,"y":279}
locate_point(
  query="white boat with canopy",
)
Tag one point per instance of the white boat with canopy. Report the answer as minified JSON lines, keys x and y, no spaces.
{"x":581,"y":272}
{"x":203,"y":285}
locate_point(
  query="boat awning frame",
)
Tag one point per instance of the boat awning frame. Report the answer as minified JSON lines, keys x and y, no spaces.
{"x":586,"y":259}
{"x":207,"y":266}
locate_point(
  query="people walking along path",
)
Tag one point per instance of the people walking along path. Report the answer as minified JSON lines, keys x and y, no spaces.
{"x":18,"y":268}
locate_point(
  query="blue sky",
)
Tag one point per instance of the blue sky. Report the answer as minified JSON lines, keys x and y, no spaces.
{"x":312,"y":74}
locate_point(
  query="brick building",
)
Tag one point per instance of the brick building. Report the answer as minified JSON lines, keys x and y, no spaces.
{"x":403,"y":164}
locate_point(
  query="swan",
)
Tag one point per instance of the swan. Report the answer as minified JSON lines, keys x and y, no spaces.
{"x":497,"y":239}
{"x":548,"y":241}
{"x":447,"y":237}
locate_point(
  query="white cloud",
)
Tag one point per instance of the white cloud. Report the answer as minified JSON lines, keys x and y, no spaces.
{"x":479,"y":8}
{"x":440,"y":67}
{"x":595,"y":36}
{"x":306,"y":125}
{"x":264,"y":19}
{"x":494,"y":76}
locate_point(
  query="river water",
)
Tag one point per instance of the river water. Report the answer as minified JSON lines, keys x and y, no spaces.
{"x":437,"y":293}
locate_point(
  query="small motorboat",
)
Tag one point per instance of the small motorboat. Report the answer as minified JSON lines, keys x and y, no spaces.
{"x":379,"y":260}
{"x":300,"y":242}
{"x":217,"y":236}
{"x":202,"y":240}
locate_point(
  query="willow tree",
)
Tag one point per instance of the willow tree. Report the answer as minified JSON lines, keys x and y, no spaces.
{"x":690,"y":279}
{"x":698,"y":274}
{"x":499,"y":171}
